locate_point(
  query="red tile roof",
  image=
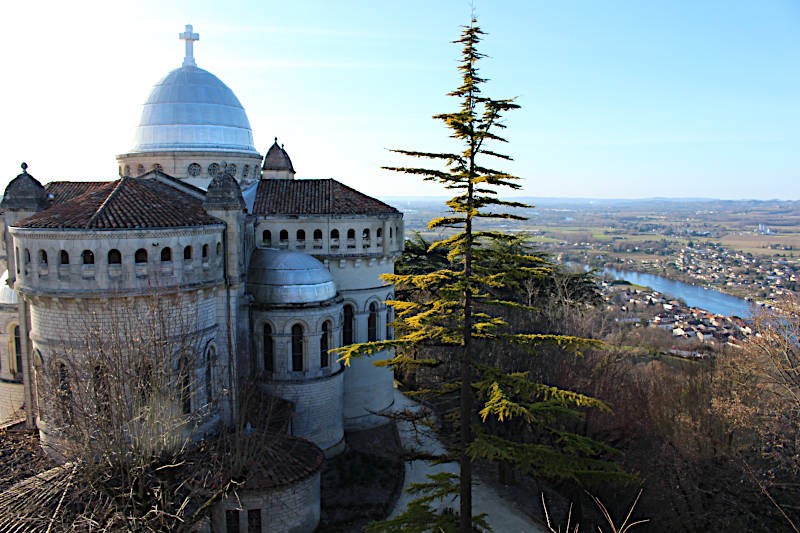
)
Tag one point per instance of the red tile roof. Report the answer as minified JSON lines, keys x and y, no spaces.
{"x":127,"y":203}
{"x":315,"y":197}
{"x":67,"y":190}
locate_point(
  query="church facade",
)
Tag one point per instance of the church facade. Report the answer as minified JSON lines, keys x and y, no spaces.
{"x":265,"y":273}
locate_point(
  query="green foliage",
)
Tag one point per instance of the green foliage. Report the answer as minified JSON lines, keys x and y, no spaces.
{"x":456,"y":300}
{"x":428,"y":512}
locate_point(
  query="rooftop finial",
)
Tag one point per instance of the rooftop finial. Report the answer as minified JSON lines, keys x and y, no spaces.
{"x":24,"y":166}
{"x":190,"y":38}
{"x":276,"y":140}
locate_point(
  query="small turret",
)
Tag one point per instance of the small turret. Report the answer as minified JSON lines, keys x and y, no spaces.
{"x":25,"y":193}
{"x":277,"y":164}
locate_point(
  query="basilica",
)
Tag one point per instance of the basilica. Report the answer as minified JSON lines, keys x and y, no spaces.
{"x":265,"y":273}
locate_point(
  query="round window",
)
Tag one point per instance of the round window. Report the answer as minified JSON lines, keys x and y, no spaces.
{"x":213,"y":169}
{"x":194,"y":169}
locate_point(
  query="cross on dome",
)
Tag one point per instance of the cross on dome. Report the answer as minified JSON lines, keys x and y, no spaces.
{"x":190,"y":38}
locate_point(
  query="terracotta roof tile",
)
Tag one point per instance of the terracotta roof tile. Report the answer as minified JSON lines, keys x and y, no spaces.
{"x":67,"y":190}
{"x":127,"y":203}
{"x":315,"y":197}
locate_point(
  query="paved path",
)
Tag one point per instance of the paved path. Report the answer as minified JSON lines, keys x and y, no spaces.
{"x":503,"y":516}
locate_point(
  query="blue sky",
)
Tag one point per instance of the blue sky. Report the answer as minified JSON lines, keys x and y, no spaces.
{"x":619,"y":99}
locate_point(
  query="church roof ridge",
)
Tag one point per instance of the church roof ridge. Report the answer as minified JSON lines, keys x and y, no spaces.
{"x":315,"y":197}
{"x":126,"y":203}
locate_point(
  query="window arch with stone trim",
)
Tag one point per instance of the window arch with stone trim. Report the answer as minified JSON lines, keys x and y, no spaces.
{"x":166,"y":255}
{"x":43,"y":257}
{"x":266,"y":237}
{"x":63,"y":257}
{"x":15,"y":351}
{"x":268,"y":348}
{"x":372,"y":322}
{"x":87,"y":257}
{"x":114,"y":257}
{"x":210,"y":361}
{"x":187,"y":253}
{"x":140,"y":256}
{"x":325,"y":344}
{"x":185,"y":378}
{"x":298,"y":339}
{"x":348,"y":324}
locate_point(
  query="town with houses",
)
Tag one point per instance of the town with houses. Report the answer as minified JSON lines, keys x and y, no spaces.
{"x":645,"y":307}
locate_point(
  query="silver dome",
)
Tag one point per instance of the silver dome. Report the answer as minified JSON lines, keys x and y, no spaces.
{"x":281,"y":277}
{"x":192,"y":110}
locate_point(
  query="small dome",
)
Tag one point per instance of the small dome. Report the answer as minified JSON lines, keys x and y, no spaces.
{"x":192,"y":110}
{"x":7,"y":294}
{"x":277,"y":159}
{"x":281,"y":277}
{"x":25,"y":192}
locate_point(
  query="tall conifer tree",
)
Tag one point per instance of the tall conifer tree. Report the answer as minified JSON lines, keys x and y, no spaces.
{"x":460,"y":302}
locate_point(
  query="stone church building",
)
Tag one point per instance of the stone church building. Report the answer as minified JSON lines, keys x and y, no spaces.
{"x":265,"y":272}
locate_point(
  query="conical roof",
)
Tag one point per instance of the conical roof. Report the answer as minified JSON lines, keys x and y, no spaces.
{"x":25,"y":192}
{"x":277,"y":159}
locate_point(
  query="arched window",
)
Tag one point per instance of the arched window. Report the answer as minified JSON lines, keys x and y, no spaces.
{"x":185,"y":375}
{"x":379,"y":233}
{"x":114,"y":257}
{"x":351,"y":234}
{"x":297,"y":348}
{"x":284,"y":235}
{"x":365,"y":234}
{"x":166,"y":254}
{"x":301,"y":235}
{"x":27,"y":256}
{"x":17,"y":352}
{"x":187,"y":253}
{"x":269,"y":349}
{"x":42,"y":257}
{"x":334,"y":234}
{"x":88,"y":257}
{"x":317,"y":234}
{"x":389,"y":320}
{"x":140,"y":256}
{"x":390,"y":232}
{"x":219,"y":249}
{"x":63,"y":257}
{"x":348,"y":325}
{"x":266,"y":237}
{"x":205,"y":253}
{"x":372,"y":323}
{"x":324,"y":344}
{"x":211,"y":358}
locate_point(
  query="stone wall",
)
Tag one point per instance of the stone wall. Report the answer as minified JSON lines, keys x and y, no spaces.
{"x":178,"y":164}
{"x":111,"y":262}
{"x":294,"y":508}
{"x":317,"y":409}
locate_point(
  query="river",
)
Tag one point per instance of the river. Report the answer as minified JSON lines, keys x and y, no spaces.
{"x":709,"y":299}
